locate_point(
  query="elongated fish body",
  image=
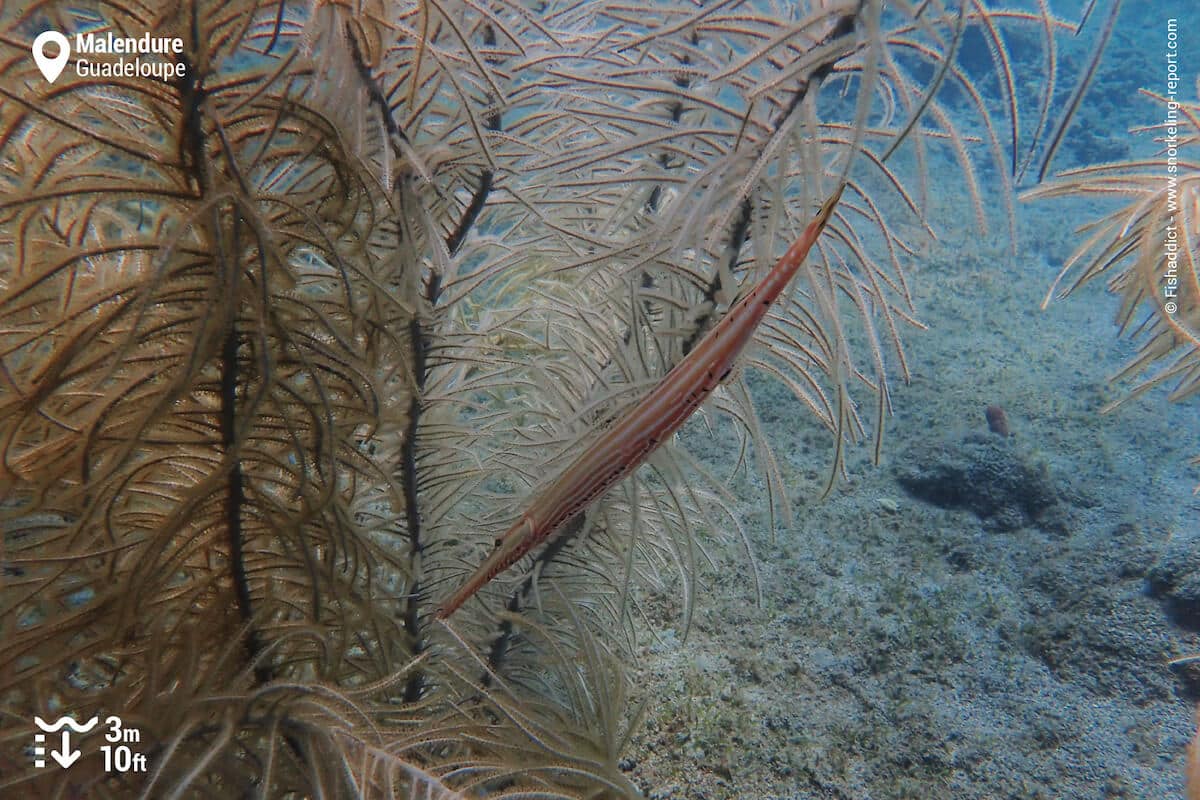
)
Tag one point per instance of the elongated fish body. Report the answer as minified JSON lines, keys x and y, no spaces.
{"x":625,"y":445}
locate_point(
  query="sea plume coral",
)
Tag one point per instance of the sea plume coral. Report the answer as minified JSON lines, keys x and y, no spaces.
{"x":286,"y":341}
{"x":1147,"y":249}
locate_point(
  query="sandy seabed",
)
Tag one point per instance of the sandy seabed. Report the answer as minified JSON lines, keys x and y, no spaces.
{"x":905,"y":650}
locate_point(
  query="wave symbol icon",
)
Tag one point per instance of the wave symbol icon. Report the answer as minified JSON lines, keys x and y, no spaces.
{"x":66,"y":722}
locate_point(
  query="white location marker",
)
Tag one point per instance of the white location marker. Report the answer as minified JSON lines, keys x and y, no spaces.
{"x":51,"y":67}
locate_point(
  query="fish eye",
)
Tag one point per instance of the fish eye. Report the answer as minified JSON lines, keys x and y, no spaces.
{"x":499,"y":541}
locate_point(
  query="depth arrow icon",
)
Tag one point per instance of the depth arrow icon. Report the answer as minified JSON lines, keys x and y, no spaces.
{"x":67,"y":756}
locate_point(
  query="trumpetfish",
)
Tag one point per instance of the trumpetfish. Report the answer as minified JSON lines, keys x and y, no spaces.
{"x":638,"y":432}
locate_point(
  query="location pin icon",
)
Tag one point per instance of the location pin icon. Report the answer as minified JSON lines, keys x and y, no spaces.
{"x":51,"y":67}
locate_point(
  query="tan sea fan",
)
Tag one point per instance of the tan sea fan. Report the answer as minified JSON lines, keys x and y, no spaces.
{"x":286,"y":342}
{"x":1147,"y":249}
